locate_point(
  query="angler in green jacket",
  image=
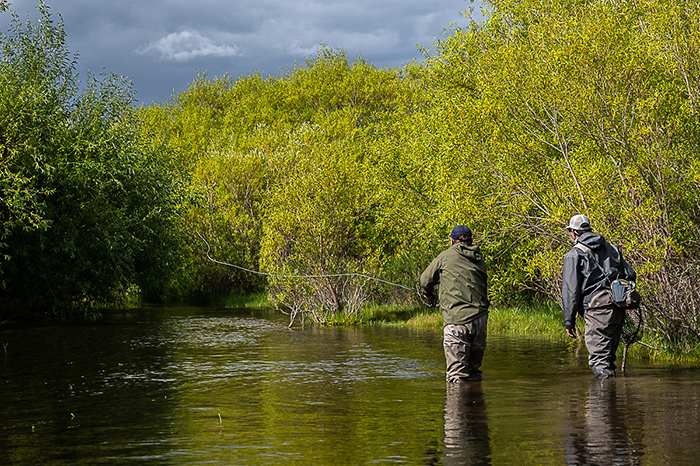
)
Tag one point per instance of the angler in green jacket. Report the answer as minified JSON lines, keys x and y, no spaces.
{"x":461,"y":273}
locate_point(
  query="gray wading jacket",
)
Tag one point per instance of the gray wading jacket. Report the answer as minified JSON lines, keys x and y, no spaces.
{"x":582,"y":278}
{"x":461,"y":273}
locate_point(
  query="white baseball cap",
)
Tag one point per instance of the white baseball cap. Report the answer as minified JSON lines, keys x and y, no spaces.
{"x":579,"y":222}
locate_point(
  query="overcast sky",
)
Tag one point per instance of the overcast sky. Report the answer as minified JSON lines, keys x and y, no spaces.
{"x":161,"y":44}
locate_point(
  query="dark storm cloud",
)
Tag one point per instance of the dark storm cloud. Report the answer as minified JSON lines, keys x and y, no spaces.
{"x":162,"y":44}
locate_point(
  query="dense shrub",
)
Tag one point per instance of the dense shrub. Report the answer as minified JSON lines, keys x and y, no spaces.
{"x":87,"y":197}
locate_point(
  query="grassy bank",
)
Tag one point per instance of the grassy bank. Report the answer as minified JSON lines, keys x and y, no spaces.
{"x":540,"y":322}
{"x":544,"y":321}
{"x":253,"y":300}
{"x":648,"y":350}
{"x":535,"y":322}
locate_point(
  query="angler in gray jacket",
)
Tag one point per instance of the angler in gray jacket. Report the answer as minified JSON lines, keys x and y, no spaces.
{"x":589,"y":268}
{"x":461,"y":274}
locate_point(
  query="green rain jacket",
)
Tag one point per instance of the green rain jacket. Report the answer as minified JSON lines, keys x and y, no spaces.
{"x":461,"y":273}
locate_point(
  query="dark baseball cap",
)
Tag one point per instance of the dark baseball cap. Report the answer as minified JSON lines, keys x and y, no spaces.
{"x":460,"y":230}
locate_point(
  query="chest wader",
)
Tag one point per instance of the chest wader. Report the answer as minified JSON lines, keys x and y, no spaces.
{"x":464,"y":346}
{"x":603,"y":328}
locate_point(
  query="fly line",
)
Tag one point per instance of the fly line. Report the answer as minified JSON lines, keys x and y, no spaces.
{"x":278,"y":275}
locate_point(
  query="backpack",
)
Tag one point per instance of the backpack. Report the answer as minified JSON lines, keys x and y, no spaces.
{"x":622,"y":293}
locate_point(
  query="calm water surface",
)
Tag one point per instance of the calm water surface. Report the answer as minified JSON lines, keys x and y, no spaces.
{"x":223,"y":386}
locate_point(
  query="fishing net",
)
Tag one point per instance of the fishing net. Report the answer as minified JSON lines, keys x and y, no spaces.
{"x":631,"y":332}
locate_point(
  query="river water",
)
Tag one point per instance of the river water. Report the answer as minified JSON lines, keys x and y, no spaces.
{"x":188,"y":386}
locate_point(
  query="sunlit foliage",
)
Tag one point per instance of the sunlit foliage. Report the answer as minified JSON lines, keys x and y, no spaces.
{"x":590,"y":107}
{"x":517,"y":122}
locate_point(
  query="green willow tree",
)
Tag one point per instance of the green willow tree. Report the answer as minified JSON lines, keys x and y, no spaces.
{"x":569,"y":106}
{"x":321,"y":217}
{"x":87,"y":196}
{"x":195,"y":125}
{"x":314,"y":227}
{"x":293,"y":145}
{"x":540,"y":111}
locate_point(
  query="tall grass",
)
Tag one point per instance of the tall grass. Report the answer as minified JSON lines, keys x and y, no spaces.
{"x":649,"y":350}
{"x":544,"y":321}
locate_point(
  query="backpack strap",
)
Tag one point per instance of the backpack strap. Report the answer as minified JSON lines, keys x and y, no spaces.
{"x":587,"y":250}
{"x":583,"y":248}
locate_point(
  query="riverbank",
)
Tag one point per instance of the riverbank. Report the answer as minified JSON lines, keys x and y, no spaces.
{"x":537,"y":322}
{"x":543,"y":322}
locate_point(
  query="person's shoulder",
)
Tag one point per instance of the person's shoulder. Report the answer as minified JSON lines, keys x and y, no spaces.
{"x":573,"y":252}
{"x":614,"y":250}
{"x":442,"y":255}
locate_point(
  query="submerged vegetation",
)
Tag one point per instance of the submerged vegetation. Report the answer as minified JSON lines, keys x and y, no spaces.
{"x":337,"y":168}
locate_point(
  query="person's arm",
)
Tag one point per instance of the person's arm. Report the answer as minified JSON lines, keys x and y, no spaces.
{"x":571,"y":293}
{"x":430,"y":277}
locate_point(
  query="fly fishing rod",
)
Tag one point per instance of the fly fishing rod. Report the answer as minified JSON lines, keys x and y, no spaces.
{"x":277,"y":275}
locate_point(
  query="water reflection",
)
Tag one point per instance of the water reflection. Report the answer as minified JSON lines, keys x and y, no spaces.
{"x":208,"y":386}
{"x":609,"y":431}
{"x":466,"y":425}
